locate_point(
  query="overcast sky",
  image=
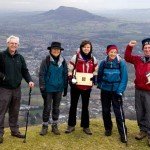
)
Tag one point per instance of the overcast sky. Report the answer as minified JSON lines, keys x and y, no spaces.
{"x":40,"y":5}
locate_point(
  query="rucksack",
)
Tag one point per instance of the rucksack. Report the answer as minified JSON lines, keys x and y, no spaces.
{"x":105,"y":66}
{"x":2,"y":62}
{"x":119,"y":58}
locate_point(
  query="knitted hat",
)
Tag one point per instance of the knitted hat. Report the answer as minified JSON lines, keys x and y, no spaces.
{"x":110,"y":47}
{"x":145,"y":42}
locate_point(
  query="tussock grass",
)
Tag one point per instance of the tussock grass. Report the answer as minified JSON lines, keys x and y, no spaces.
{"x":77,"y":140}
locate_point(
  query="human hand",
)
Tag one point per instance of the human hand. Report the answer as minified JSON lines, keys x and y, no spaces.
{"x":2,"y":76}
{"x":69,"y":80}
{"x":65,"y":92}
{"x":31,"y":84}
{"x":94,"y":79}
{"x":119,"y":96}
{"x":42,"y":89}
{"x":132,"y":43}
{"x":72,"y":81}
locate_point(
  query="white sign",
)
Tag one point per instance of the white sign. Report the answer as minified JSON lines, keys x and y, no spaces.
{"x":148,"y":78}
{"x":84,"y":78}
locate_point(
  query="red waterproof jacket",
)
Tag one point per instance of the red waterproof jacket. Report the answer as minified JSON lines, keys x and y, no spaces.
{"x":78,"y":64}
{"x":141,"y":69}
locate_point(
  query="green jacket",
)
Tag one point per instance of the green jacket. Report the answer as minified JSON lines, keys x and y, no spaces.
{"x":14,"y":69}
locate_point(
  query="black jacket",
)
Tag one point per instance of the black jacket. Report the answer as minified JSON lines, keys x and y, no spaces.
{"x":14,"y":69}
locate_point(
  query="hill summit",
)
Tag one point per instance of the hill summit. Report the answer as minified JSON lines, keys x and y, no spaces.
{"x":72,"y":14}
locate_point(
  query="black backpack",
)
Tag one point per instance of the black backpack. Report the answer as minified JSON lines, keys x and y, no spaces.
{"x":2,"y":62}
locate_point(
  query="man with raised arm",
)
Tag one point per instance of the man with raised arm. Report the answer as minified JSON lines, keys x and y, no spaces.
{"x":142,"y":86}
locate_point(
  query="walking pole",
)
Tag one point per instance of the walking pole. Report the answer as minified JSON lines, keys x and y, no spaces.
{"x":24,"y":141}
{"x":123,"y":122}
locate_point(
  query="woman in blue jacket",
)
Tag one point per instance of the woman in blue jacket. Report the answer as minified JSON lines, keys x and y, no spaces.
{"x":112,"y":80}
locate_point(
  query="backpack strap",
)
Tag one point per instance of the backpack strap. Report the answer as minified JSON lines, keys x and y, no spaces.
{"x":63,"y":63}
{"x":93,"y":63}
{"x":48,"y":62}
{"x":2,"y":62}
{"x":75,"y":64}
{"x":104,"y":66}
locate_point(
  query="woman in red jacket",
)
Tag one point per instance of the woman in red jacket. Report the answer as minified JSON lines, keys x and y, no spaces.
{"x":142,"y":86}
{"x":82,"y":67}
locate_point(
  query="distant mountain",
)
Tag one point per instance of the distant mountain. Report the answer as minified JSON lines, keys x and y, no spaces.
{"x":135,"y":15}
{"x":71,"y":24}
{"x":70,"y":14}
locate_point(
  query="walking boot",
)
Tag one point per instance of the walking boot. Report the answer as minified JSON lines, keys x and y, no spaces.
{"x":17,"y":134}
{"x":122,"y":139}
{"x":124,"y":136}
{"x":108,"y":133}
{"x":148,"y":140}
{"x":55,"y":129}
{"x":141,"y":135}
{"x":70,"y":129}
{"x":44,"y":130}
{"x":1,"y":139}
{"x":87,"y":131}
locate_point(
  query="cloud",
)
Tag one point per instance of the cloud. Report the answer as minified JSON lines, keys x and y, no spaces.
{"x":22,"y":3}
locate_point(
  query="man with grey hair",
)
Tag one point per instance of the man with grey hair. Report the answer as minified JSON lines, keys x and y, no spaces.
{"x":12,"y":69}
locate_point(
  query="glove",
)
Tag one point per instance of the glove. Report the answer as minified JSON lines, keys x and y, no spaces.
{"x":94,"y":79}
{"x":65,"y":92}
{"x":42,"y":89}
{"x":70,"y":81}
{"x":43,"y":92}
{"x":119,"y":96}
{"x":2,"y":76}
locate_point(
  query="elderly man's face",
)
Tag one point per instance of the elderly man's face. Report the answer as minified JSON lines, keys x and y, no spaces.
{"x":146,"y":50}
{"x":12,"y":45}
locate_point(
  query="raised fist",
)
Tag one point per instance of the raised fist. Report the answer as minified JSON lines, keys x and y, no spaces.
{"x":132,"y":43}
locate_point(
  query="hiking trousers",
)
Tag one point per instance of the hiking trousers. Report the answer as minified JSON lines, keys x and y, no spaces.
{"x":9,"y":101}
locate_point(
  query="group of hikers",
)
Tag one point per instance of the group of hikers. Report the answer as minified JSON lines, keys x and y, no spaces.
{"x":81,"y":73}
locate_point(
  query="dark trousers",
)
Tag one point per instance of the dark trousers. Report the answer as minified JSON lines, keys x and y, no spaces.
{"x":142,"y":106}
{"x":9,"y":101}
{"x":52,"y":102}
{"x":85,"y":95}
{"x":108,"y":98}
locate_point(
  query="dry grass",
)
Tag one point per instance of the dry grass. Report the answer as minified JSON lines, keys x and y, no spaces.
{"x":76,"y":140}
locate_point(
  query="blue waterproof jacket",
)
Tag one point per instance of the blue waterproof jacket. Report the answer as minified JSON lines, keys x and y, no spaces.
{"x":112,"y":75}
{"x":53,"y":78}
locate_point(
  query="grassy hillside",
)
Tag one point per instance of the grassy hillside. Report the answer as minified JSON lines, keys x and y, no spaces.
{"x":76,"y":140}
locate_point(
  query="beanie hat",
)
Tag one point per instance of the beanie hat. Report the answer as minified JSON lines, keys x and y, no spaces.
{"x":145,"y":42}
{"x":110,"y":47}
